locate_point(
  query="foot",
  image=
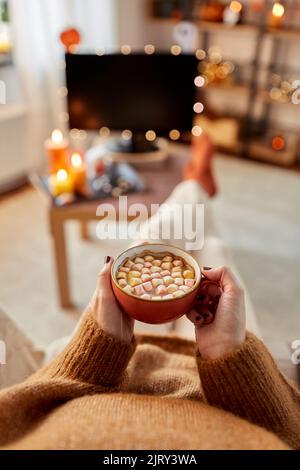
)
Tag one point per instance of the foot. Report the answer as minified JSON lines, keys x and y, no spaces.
{"x":199,"y":167}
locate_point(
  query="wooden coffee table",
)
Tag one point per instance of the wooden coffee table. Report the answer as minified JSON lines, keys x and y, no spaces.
{"x":159,"y":183}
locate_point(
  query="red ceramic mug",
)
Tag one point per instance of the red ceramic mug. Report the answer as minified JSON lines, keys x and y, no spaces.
{"x":155,"y":311}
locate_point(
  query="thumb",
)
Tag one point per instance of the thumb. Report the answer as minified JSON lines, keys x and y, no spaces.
{"x":104,"y":282}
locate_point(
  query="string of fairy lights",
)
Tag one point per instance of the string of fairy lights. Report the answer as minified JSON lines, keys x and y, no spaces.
{"x":150,"y":134}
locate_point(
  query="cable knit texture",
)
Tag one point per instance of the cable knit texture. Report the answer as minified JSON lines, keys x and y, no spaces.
{"x":101,"y":393}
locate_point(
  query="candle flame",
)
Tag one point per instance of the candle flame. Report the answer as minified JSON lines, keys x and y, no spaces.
{"x":57,"y":136}
{"x":62,"y":175}
{"x":235,"y":6}
{"x":278,"y":10}
{"x":76,"y":160}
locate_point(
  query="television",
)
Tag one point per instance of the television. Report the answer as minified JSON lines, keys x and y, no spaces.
{"x":138,"y":92}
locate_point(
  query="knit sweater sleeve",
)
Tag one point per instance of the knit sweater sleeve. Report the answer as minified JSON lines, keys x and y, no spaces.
{"x":248,"y":383}
{"x":92,"y":357}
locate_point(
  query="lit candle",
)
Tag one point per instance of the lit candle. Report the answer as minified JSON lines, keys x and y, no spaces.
{"x":57,"y":149}
{"x":60,"y":183}
{"x":78,"y":172}
{"x":276,"y":16}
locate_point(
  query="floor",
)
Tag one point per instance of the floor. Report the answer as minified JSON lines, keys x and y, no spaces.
{"x":258,"y":215}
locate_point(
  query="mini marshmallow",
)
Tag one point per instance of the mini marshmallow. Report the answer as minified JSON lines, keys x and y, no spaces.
{"x":161,"y":290}
{"x":176,"y":269}
{"x":184,"y":288}
{"x":189,"y":282}
{"x":124,"y":270}
{"x":156,"y":262}
{"x":145,"y":277}
{"x":156,"y":297}
{"x":178,"y":281}
{"x":177,"y":262}
{"x":167,"y":258}
{"x":147,"y":264}
{"x":155,"y":269}
{"x":134,"y":274}
{"x":122,"y":282}
{"x":129,"y":263}
{"x":165,"y":273}
{"x":128,"y":290}
{"x":168,"y":280}
{"x":134,"y":281}
{"x":167,"y":266}
{"x":146,"y":297}
{"x":146,"y":271}
{"x":149,"y":258}
{"x":188,"y":274}
{"x":172,"y":288}
{"x":175,"y":275}
{"x":157,"y":282}
{"x":139,"y":260}
{"x":121,"y":275}
{"x":139,"y":290}
{"x":147,"y":286}
{"x":155,"y":276}
{"x":168,"y":297}
{"x":137,"y":267}
{"x":178,"y":293}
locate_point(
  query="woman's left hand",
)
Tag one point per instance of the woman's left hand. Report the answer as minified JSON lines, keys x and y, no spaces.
{"x":105,"y":309}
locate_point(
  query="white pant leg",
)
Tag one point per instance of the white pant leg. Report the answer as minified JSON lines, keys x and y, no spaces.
{"x":19,"y":358}
{"x":214,"y":252}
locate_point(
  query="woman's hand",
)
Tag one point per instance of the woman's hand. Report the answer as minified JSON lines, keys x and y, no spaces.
{"x":221,"y":293}
{"x":106,"y":310}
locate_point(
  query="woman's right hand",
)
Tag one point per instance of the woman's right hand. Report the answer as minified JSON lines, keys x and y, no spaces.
{"x":228,"y":330}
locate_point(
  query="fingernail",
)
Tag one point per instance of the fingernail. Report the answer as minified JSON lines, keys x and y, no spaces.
{"x":107,"y":259}
{"x":206,"y":268}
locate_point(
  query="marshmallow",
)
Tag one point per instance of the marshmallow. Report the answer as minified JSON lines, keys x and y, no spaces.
{"x":178,"y":293}
{"x":137,"y":267}
{"x":155,"y":275}
{"x":188,"y":274}
{"x":134,"y":274}
{"x":168,"y":280}
{"x":189,"y":282}
{"x":147,"y":286}
{"x":121,"y":275}
{"x":184,"y":288}
{"x":124,"y":270}
{"x":176,"y":269}
{"x":139,"y":290}
{"x":174,"y":275}
{"x":155,"y":269}
{"x":178,"y":281}
{"x":177,"y":262}
{"x":165,"y":273}
{"x":139,"y":260}
{"x":147,"y":264}
{"x":156,"y":297}
{"x":134,"y":281}
{"x":149,"y":258}
{"x":167,"y":266}
{"x":129,"y":263}
{"x":167,"y":258}
{"x":156,"y":262}
{"x":145,"y":277}
{"x":128,"y":290}
{"x":122,"y":282}
{"x":172,"y":288}
{"x":168,"y":297}
{"x":161,"y":290}
{"x":146,"y":271}
{"x":157,"y":282}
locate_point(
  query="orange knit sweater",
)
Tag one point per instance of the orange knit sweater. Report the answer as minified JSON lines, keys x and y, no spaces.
{"x":103,"y":394}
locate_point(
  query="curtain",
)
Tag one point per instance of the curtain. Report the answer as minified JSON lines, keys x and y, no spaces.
{"x":38,"y":54}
